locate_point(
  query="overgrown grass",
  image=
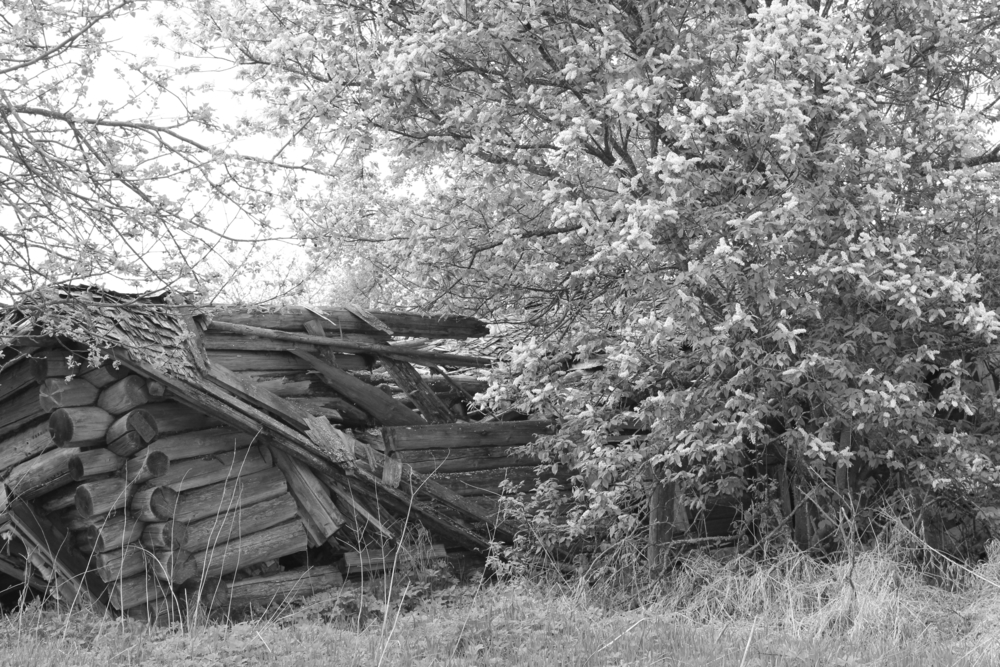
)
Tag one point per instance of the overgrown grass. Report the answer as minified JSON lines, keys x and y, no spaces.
{"x":871,"y":609}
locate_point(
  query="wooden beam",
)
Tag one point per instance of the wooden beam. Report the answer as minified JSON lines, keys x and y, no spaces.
{"x":455,"y":436}
{"x":282,"y":361}
{"x":409,"y":380}
{"x":432,"y":358}
{"x":384,"y":409}
{"x":339,"y":320}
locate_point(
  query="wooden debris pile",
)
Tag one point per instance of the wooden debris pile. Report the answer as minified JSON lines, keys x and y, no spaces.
{"x":152,"y":451}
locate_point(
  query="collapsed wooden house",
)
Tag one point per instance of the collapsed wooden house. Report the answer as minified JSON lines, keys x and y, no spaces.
{"x":151,"y":449}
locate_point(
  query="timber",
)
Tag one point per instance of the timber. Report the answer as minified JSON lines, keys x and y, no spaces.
{"x":60,"y":499}
{"x":225,"y":496}
{"x":222,"y":528}
{"x":382,"y":408}
{"x":378,"y":560}
{"x":79,"y":427}
{"x":145,"y":465}
{"x":134,"y":591}
{"x":165,"y":535}
{"x":279,"y":361}
{"x":139,"y":421}
{"x":319,"y":514}
{"x":24,"y":445}
{"x":173,"y":566}
{"x":202,"y":443}
{"x":20,"y":410}
{"x":39,"y":475}
{"x":277,"y":589}
{"x":119,"y":563}
{"x":419,"y":357}
{"x":409,"y":380}
{"x":281,"y":540}
{"x":25,"y":373}
{"x":454,"y":436}
{"x":190,"y":474}
{"x":93,"y":463}
{"x":172,"y":417}
{"x":339,"y":320}
{"x":102,"y":496}
{"x":126,"y":394}
{"x":154,"y":504}
{"x":105,"y":375}
{"x":114,"y":533}
{"x":57,"y":393}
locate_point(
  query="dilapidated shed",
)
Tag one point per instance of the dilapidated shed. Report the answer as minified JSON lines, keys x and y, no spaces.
{"x":151,"y":448}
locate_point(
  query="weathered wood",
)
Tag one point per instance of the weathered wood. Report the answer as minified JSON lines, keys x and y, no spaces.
{"x":280,"y":361}
{"x":119,"y":563}
{"x":79,"y":427}
{"x":173,"y":567}
{"x":156,"y":390}
{"x":138,"y":421}
{"x":93,"y":463}
{"x":20,"y":410}
{"x":473,"y":434}
{"x":126,"y":394}
{"x":382,"y":408}
{"x":227,"y":342}
{"x":41,"y":474}
{"x":281,"y":540}
{"x":24,"y":445}
{"x":377,"y":560}
{"x":73,"y":520}
{"x":188,"y":474}
{"x":43,"y":534}
{"x":134,"y":591}
{"x":114,"y":533}
{"x":256,"y":395}
{"x":486,"y":454}
{"x":62,"y":498}
{"x":172,"y":417}
{"x":489,"y":482}
{"x":319,"y":515}
{"x":145,"y":465}
{"x":223,"y":497}
{"x":420,"y":357}
{"x":273,"y":590}
{"x":58,"y":393}
{"x":410,"y":381}
{"x":61,"y":363}
{"x":165,"y":536}
{"x":341,"y":321}
{"x":106,"y":374}
{"x":25,"y":373}
{"x":233,"y":525}
{"x":202,"y":443}
{"x":154,"y":504}
{"x":236,"y":413}
{"x":102,"y":496}
{"x":360,"y":517}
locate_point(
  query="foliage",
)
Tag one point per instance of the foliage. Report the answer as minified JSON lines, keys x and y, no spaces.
{"x":766,"y":220}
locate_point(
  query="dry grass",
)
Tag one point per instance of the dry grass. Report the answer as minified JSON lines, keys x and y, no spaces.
{"x":872,"y":609}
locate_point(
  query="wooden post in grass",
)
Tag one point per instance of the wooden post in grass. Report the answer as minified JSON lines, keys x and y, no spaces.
{"x":667,"y":519}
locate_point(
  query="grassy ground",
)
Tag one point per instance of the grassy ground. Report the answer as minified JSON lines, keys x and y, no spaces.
{"x":868,"y":610}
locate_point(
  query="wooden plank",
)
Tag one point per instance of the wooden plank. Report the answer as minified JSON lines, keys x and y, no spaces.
{"x":415,"y":456}
{"x":319,"y":515}
{"x":410,"y":381}
{"x":250,"y":391}
{"x":339,"y":345}
{"x":277,"y":589}
{"x":223,"y":497}
{"x":223,"y":528}
{"x":378,"y":560}
{"x":188,"y":474}
{"x":25,"y":372}
{"x":472,"y":434}
{"x":281,"y":540}
{"x":226,"y":342}
{"x":446,"y":466}
{"x":201,"y":443}
{"x":340,"y":320}
{"x":280,"y":361}
{"x":172,"y":417}
{"x":24,"y":445}
{"x":384,"y":409}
